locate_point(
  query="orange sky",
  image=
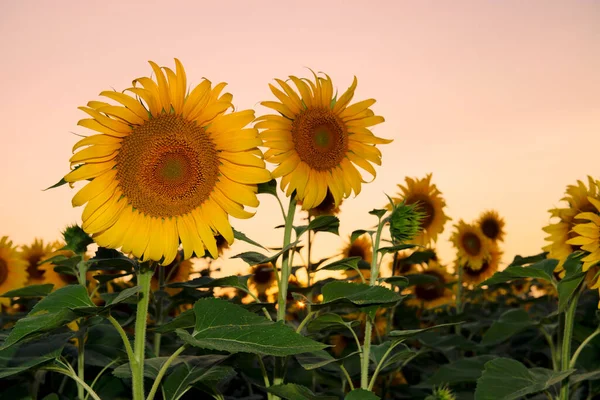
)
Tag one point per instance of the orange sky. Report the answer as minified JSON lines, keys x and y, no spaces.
{"x":499,"y":100}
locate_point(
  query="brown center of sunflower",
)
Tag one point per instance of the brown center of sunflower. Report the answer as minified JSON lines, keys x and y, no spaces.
{"x":320,"y":138}
{"x":357,"y":251}
{"x":3,"y":271}
{"x":327,"y":206}
{"x":471,"y":243}
{"x":263,"y":274}
{"x":476,"y":272}
{"x":432,"y":290}
{"x":168,"y":166}
{"x":490,"y":228}
{"x":424,"y":206}
{"x":32,"y":266}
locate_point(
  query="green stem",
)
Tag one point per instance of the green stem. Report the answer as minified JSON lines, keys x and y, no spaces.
{"x":163,"y":371}
{"x":285,"y":265}
{"x":566,"y":343}
{"x":265,"y":376}
{"x":459,"y":294}
{"x":110,"y":364}
{"x":553,"y":351}
{"x":379,"y":366}
{"x":347,"y":375}
{"x":159,"y":311}
{"x":582,"y":346}
{"x":144,"y":277}
{"x":124,"y":338}
{"x":364,"y":372}
{"x":73,"y":376}
{"x":305,"y":321}
{"x":80,"y":366}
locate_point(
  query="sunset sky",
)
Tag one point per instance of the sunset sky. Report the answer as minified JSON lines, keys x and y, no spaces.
{"x":500,"y":100}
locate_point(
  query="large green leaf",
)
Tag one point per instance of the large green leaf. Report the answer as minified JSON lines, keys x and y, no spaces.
{"x":20,"y":358}
{"x":30,"y":291}
{"x":396,"y":248}
{"x":291,"y":391}
{"x":464,"y":370}
{"x":405,"y":334}
{"x":153,"y":365}
{"x":51,"y":312}
{"x":343,"y":264}
{"x":224,"y":326}
{"x":508,"y":379}
{"x":184,"y":376}
{"x":540,"y":270}
{"x":357,"y":294}
{"x":566,"y":289}
{"x":186,"y":319}
{"x":361,"y":394}
{"x":518,"y":260}
{"x":329,"y":321}
{"x":322,"y":223}
{"x":510,"y":323}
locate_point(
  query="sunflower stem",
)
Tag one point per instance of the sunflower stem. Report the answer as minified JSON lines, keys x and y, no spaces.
{"x":163,"y":371}
{"x":565,"y":357}
{"x":144,"y":277}
{"x":159,"y":311}
{"x":285,"y":264}
{"x":80,"y":367}
{"x":459,"y":293}
{"x":364,"y":373}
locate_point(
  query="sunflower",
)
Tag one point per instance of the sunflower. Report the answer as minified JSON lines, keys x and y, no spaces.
{"x":430,"y":202}
{"x":167,"y":167}
{"x":263,"y":277}
{"x":589,"y":234}
{"x":177,"y":271}
{"x":433,"y":294}
{"x":398,"y":265}
{"x":520,"y":286}
{"x":561,"y":232}
{"x":361,"y":247}
{"x":13,"y":269}
{"x":33,"y":255}
{"x":318,"y":139}
{"x":473,"y":248}
{"x":488,"y":268}
{"x":59,"y":279}
{"x":491,"y":225}
{"x":222,"y":244}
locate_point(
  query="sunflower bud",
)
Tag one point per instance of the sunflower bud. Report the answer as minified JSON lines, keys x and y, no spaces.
{"x":77,"y":240}
{"x":441,"y":393}
{"x":405,"y":222}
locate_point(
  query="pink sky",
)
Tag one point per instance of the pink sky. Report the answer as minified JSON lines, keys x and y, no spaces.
{"x":500,"y":100}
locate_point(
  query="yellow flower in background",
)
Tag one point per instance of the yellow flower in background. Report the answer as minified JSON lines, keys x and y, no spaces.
{"x":13,"y":269}
{"x":431,"y":203}
{"x":473,"y":248}
{"x":488,"y":268}
{"x":433,"y":294}
{"x":560,"y":232}
{"x":33,"y":254}
{"x":167,"y":166}
{"x":361,"y":247}
{"x":589,"y":234}
{"x":318,"y":140}
{"x":491,"y":225}
{"x":520,"y":286}
{"x":263,"y":278}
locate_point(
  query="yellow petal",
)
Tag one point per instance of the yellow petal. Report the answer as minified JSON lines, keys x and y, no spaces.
{"x":163,"y":86}
{"x":361,"y":162}
{"x":356,"y":108}
{"x":94,"y":188}
{"x":370,"y":121}
{"x":197,"y":98}
{"x":154,"y":251}
{"x":151,"y":100}
{"x":132,"y":104}
{"x":171,"y":241}
{"x":156,"y":105}
{"x":296,"y":103}
{"x":231,"y":207}
{"x":96,"y":140}
{"x":122,"y":113}
{"x":237,"y":192}
{"x":107,"y":215}
{"x":218,"y":219}
{"x":299,"y":178}
{"x":97,"y":151}
{"x":98,"y":201}
{"x":140,"y":230}
{"x":280,"y":108}
{"x":345,"y":98}
{"x":110,"y":123}
{"x":88,"y":171}
{"x":304,"y":90}
{"x":244,"y":174}
{"x":181,"y":82}
{"x":98,"y":127}
{"x":206,"y":234}
{"x":287,"y":166}
{"x":232,"y":122}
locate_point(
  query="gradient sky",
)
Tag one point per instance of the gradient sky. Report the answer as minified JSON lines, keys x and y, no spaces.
{"x":500,"y":100}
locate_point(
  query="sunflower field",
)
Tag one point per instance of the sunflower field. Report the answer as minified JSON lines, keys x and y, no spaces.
{"x":119,"y":307}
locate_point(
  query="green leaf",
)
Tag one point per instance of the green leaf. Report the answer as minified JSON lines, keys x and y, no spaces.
{"x":405,"y":334}
{"x":342,"y":265}
{"x":238,"y":282}
{"x":586,"y":376}
{"x":397,"y":248}
{"x":358,"y":294}
{"x":30,"y":291}
{"x":400,"y":281}
{"x":510,"y":323}
{"x":357,"y":233}
{"x":153,"y":365}
{"x":254,"y":258}
{"x":566,"y":288}
{"x":51,"y":312}
{"x":508,"y":379}
{"x":23,"y":357}
{"x":110,"y":260}
{"x":361,"y":394}
{"x":186,"y":319}
{"x":61,"y":182}
{"x":378,"y":212}
{"x":399,"y":352}
{"x":291,"y":391}
{"x":268,"y":187}
{"x":185,"y":376}
{"x":464,"y":370}
{"x":420,"y":279}
{"x":329,"y":321}
{"x":318,"y":359}
{"x":518,"y":260}
{"x":325,"y":223}
{"x":240,"y":236}
{"x":540,"y":270}
{"x":224,"y":326}
{"x":417,"y":257}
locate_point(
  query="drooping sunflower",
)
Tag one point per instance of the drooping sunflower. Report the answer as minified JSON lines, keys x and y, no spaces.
{"x":361,"y":247}
{"x":263,"y":278}
{"x":317,"y":140}
{"x":588,"y":234}
{"x":430,"y":202}
{"x":491,"y":225}
{"x":177,"y":271}
{"x":32,"y":255}
{"x":433,"y":294}
{"x":577,"y":198}
{"x":13,"y":269}
{"x":167,"y":167}
{"x":488,"y":268}
{"x":326,"y":207}
{"x":473,"y":248}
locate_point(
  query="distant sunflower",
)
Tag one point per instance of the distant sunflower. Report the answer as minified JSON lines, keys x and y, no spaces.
{"x":177,"y":271}
{"x":59,"y":279}
{"x":263,"y":277}
{"x":589,"y":235}
{"x":488,"y":268}
{"x":33,"y":255}
{"x":317,"y":140}
{"x":326,"y":207}
{"x":363,"y":248}
{"x":222,"y":244}
{"x":399,"y":266}
{"x":520,"y":286}
{"x":433,"y":294}
{"x":491,"y":225}
{"x":167,"y":166}
{"x":431,"y":203}
{"x":13,"y":269}
{"x":473,"y":248}
{"x":560,"y":232}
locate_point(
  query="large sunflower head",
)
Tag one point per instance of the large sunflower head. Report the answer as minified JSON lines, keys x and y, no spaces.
{"x":491,"y":225}
{"x":167,"y":166}
{"x":263,"y":278}
{"x":13,"y":269}
{"x":430,"y":202}
{"x":472,"y":276}
{"x":473,"y":248}
{"x":578,"y":201}
{"x":433,"y":294}
{"x":33,"y":254}
{"x":587,"y":229}
{"x":317,"y":140}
